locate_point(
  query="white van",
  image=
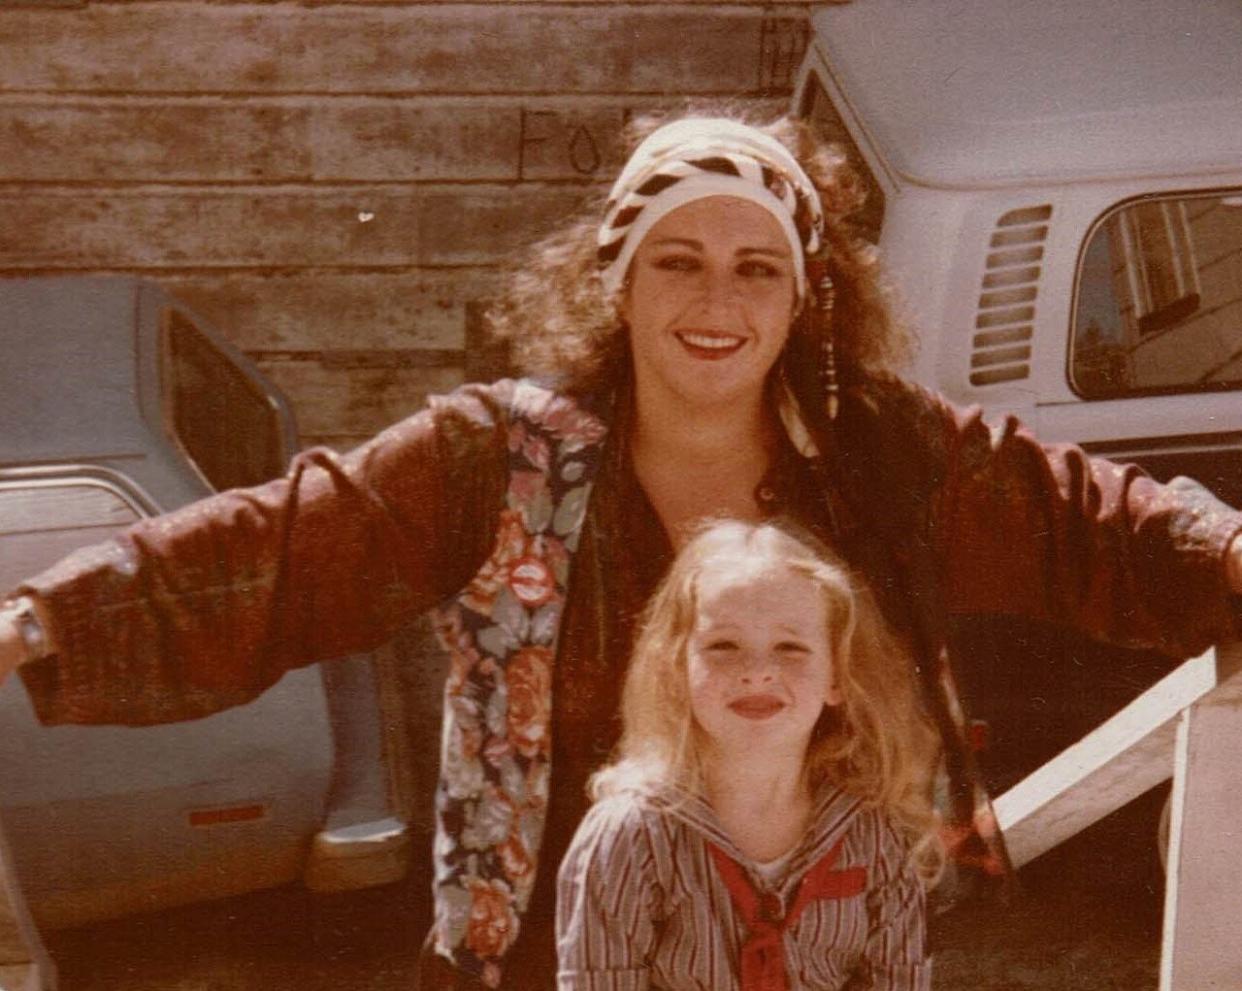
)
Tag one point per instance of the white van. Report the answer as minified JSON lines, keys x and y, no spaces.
{"x":1057,"y":193}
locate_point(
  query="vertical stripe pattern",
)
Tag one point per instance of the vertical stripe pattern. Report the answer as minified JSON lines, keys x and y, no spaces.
{"x":641,"y":904}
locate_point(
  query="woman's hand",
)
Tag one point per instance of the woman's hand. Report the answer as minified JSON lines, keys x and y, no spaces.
{"x":12,"y":646}
{"x":23,"y":635}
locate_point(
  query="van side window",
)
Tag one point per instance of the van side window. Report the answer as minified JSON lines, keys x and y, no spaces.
{"x":42,"y":521}
{"x":221,"y":418}
{"x":818,"y":111}
{"x":1160,"y":299}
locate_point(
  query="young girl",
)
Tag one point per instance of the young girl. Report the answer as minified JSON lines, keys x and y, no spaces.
{"x":768,"y":822}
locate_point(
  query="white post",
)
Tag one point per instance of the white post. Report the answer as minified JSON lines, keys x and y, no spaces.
{"x":1202,"y":945}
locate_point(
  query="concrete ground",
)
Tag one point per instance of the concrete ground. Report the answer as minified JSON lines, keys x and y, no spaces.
{"x":1087,"y":919}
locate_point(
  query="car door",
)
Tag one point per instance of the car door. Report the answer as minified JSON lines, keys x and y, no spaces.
{"x":24,"y":963}
{"x":108,"y":820}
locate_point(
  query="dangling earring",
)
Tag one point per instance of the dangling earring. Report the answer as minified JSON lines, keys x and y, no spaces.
{"x":825,"y":299}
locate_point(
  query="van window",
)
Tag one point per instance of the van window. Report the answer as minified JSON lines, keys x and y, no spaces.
{"x":818,"y":110}
{"x":1160,"y":299}
{"x":221,"y":418}
{"x":41,"y":522}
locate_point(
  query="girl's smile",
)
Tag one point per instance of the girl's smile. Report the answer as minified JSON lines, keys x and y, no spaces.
{"x":757,"y":706}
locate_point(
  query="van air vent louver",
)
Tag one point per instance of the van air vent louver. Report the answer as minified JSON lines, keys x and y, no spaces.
{"x":1004,"y":324}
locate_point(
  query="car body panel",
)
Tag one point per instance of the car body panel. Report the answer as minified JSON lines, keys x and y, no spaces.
{"x":973,"y":93}
{"x":1005,"y":141}
{"x":105,"y":820}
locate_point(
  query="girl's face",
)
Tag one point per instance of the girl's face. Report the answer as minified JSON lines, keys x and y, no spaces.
{"x":759,"y":659}
{"x":709,"y":300}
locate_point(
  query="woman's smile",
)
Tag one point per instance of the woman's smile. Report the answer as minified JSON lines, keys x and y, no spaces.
{"x":709,"y":345}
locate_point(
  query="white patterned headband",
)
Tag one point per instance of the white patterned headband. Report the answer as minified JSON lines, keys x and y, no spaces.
{"x":707,"y":156}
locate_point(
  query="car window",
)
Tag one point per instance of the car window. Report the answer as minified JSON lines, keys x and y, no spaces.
{"x":221,"y":417}
{"x":1159,"y":298}
{"x":818,"y":110}
{"x":41,"y":521}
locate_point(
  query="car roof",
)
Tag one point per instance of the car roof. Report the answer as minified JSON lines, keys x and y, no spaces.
{"x":70,"y":387}
{"x":966,"y":93}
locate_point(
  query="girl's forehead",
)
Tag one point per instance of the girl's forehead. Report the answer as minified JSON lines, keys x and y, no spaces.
{"x":726,"y":574}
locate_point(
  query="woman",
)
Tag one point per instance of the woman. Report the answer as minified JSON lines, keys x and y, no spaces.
{"x":720,"y":348}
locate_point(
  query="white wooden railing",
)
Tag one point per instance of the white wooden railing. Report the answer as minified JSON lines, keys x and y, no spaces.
{"x":1188,"y":727}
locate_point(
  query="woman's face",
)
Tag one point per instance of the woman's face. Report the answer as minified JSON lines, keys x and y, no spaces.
{"x":709,"y":300}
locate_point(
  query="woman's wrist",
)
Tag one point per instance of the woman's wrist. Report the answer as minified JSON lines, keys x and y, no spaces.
{"x":22,"y":635}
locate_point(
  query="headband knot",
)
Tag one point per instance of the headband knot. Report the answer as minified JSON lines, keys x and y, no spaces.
{"x":698,"y":157}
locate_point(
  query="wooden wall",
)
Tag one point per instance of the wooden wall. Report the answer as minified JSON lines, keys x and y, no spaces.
{"x":333,"y":184}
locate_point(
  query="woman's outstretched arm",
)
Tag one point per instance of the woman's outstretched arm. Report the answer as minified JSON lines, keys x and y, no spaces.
{"x":205,"y":607}
{"x":1044,"y":530}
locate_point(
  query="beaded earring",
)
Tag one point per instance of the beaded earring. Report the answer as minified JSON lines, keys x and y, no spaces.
{"x":825,"y":300}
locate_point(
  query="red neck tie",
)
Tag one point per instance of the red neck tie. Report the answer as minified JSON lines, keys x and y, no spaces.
{"x":763,"y":952}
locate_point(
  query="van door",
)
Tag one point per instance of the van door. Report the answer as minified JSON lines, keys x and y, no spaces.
{"x":1155,"y":346}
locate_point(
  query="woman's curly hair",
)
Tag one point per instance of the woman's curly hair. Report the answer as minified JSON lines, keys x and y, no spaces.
{"x":558,"y":321}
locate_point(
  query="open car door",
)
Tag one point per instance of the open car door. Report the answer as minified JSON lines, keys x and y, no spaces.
{"x":24,"y":964}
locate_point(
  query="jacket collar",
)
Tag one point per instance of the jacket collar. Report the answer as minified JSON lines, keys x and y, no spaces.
{"x":834,"y":811}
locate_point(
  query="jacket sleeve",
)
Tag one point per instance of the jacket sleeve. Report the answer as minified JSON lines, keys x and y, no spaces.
{"x":205,"y":607}
{"x":1050,"y":533}
{"x":605,"y":931}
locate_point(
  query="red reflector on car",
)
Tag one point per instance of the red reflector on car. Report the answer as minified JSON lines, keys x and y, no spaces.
{"x":227,"y":813}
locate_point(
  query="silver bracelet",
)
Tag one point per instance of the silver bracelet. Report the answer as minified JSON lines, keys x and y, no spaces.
{"x":28,"y":626}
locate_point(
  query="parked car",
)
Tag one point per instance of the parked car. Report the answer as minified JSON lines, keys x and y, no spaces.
{"x":1057,"y":192}
{"x":117,"y":403}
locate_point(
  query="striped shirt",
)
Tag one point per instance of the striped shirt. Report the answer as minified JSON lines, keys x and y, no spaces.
{"x":640,"y":904}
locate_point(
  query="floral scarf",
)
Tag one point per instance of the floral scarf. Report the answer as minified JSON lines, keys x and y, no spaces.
{"x":501,"y":635}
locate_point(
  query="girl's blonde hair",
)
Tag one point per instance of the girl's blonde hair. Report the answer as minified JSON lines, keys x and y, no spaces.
{"x":877,"y":743}
{"x":558,"y":321}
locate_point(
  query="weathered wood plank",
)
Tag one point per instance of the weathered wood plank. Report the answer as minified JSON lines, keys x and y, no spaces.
{"x":321,"y":311}
{"x":114,"y":141}
{"x":515,"y":3}
{"x":356,"y":401}
{"x":326,"y":139}
{"x":144,"y":229}
{"x":1115,"y":763}
{"x":180,"y":47}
